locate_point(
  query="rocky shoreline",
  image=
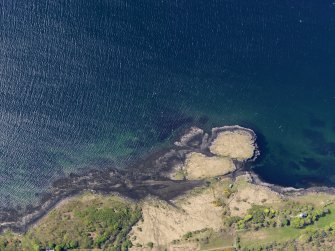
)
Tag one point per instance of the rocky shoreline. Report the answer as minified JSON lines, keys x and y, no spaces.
{"x":149,"y":176}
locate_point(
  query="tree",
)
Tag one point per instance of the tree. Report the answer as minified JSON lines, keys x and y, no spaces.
{"x":51,"y":244}
{"x":58,"y":248}
{"x":36,"y":247}
{"x":3,"y":244}
{"x":305,"y":238}
{"x":241,"y":225}
{"x":126,"y":245}
{"x":298,"y":223}
{"x":188,"y":235}
{"x":248,"y":217}
{"x":73,"y":244}
{"x":150,"y":244}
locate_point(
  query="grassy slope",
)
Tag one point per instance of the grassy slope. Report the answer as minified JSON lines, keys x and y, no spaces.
{"x":103,"y":222}
{"x":85,"y":222}
{"x":253,"y":239}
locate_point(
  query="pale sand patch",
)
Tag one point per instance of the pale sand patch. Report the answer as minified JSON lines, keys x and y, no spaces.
{"x":238,"y":144}
{"x":162,"y":223}
{"x":249,"y":194}
{"x":199,"y":166}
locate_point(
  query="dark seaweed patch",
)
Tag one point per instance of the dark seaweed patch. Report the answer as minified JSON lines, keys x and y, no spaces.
{"x":171,"y":123}
{"x":310,"y":163}
{"x":310,"y":181}
{"x":168,"y":121}
{"x":317,"y":123}
{"x":293,"y":165}
{"x":325,"y":149}
{"x":314,"y":136}
{"x":319,"y":144}
{"x":203,"y":120}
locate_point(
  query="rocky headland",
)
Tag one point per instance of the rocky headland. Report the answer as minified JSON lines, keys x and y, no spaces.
{"x":179,"y":189}
{"x":154,"y":175}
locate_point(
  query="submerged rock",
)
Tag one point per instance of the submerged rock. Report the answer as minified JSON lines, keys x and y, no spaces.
{"x":192,"y":137}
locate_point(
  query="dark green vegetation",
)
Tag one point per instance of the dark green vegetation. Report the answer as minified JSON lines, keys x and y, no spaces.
{"x":88,"y":222}
{"x":305,"y":222}
{"x":294,"y":216}
{"x":294,"y":227}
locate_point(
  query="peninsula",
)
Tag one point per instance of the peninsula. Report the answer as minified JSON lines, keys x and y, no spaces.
{"x":197,"y":195}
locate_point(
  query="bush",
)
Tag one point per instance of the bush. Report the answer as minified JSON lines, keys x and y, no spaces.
{"x":297,"y":222}
{"x":73,"y":244}
{"x":188,"y":235}
{"x":248,"y":217}
{"x":36,"y":247}
{"x":219,"y":203}
{"x":126,"y":245}
{"x":231,"y":220}
{"x":58,"y":248}
{"x":150,"y":245}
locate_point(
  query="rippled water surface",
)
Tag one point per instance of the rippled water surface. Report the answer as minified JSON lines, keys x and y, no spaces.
{"x":93,"y":84}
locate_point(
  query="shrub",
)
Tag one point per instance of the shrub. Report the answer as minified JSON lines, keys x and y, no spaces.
{"x":73,"y":244}
{"x":188,"y":235}
{"x":297,"y":223}
{"x":248,"y":217}
{"x":58,"y":248}
{"x":231,"y":220}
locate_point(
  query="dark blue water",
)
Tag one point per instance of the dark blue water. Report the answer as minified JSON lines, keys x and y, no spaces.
{"x":93,"y":84}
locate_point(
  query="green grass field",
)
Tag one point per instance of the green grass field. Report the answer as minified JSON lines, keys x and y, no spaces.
{"x":325,"y":221}
{"x":219,"y":241}
{"x":253,"y":239}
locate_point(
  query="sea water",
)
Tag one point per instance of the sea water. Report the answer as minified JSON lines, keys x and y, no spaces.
{"x":95,"y":84}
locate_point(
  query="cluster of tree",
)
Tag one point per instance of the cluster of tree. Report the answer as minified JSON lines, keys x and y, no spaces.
{"x":261,"y":216}
{"x":308,"y":218}
{"x":321,"y":238}
{"x":86,"y":227}
{"x":310,"y":239}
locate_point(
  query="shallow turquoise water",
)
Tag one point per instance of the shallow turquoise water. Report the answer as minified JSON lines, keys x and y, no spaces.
{"x":98,"y":83}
